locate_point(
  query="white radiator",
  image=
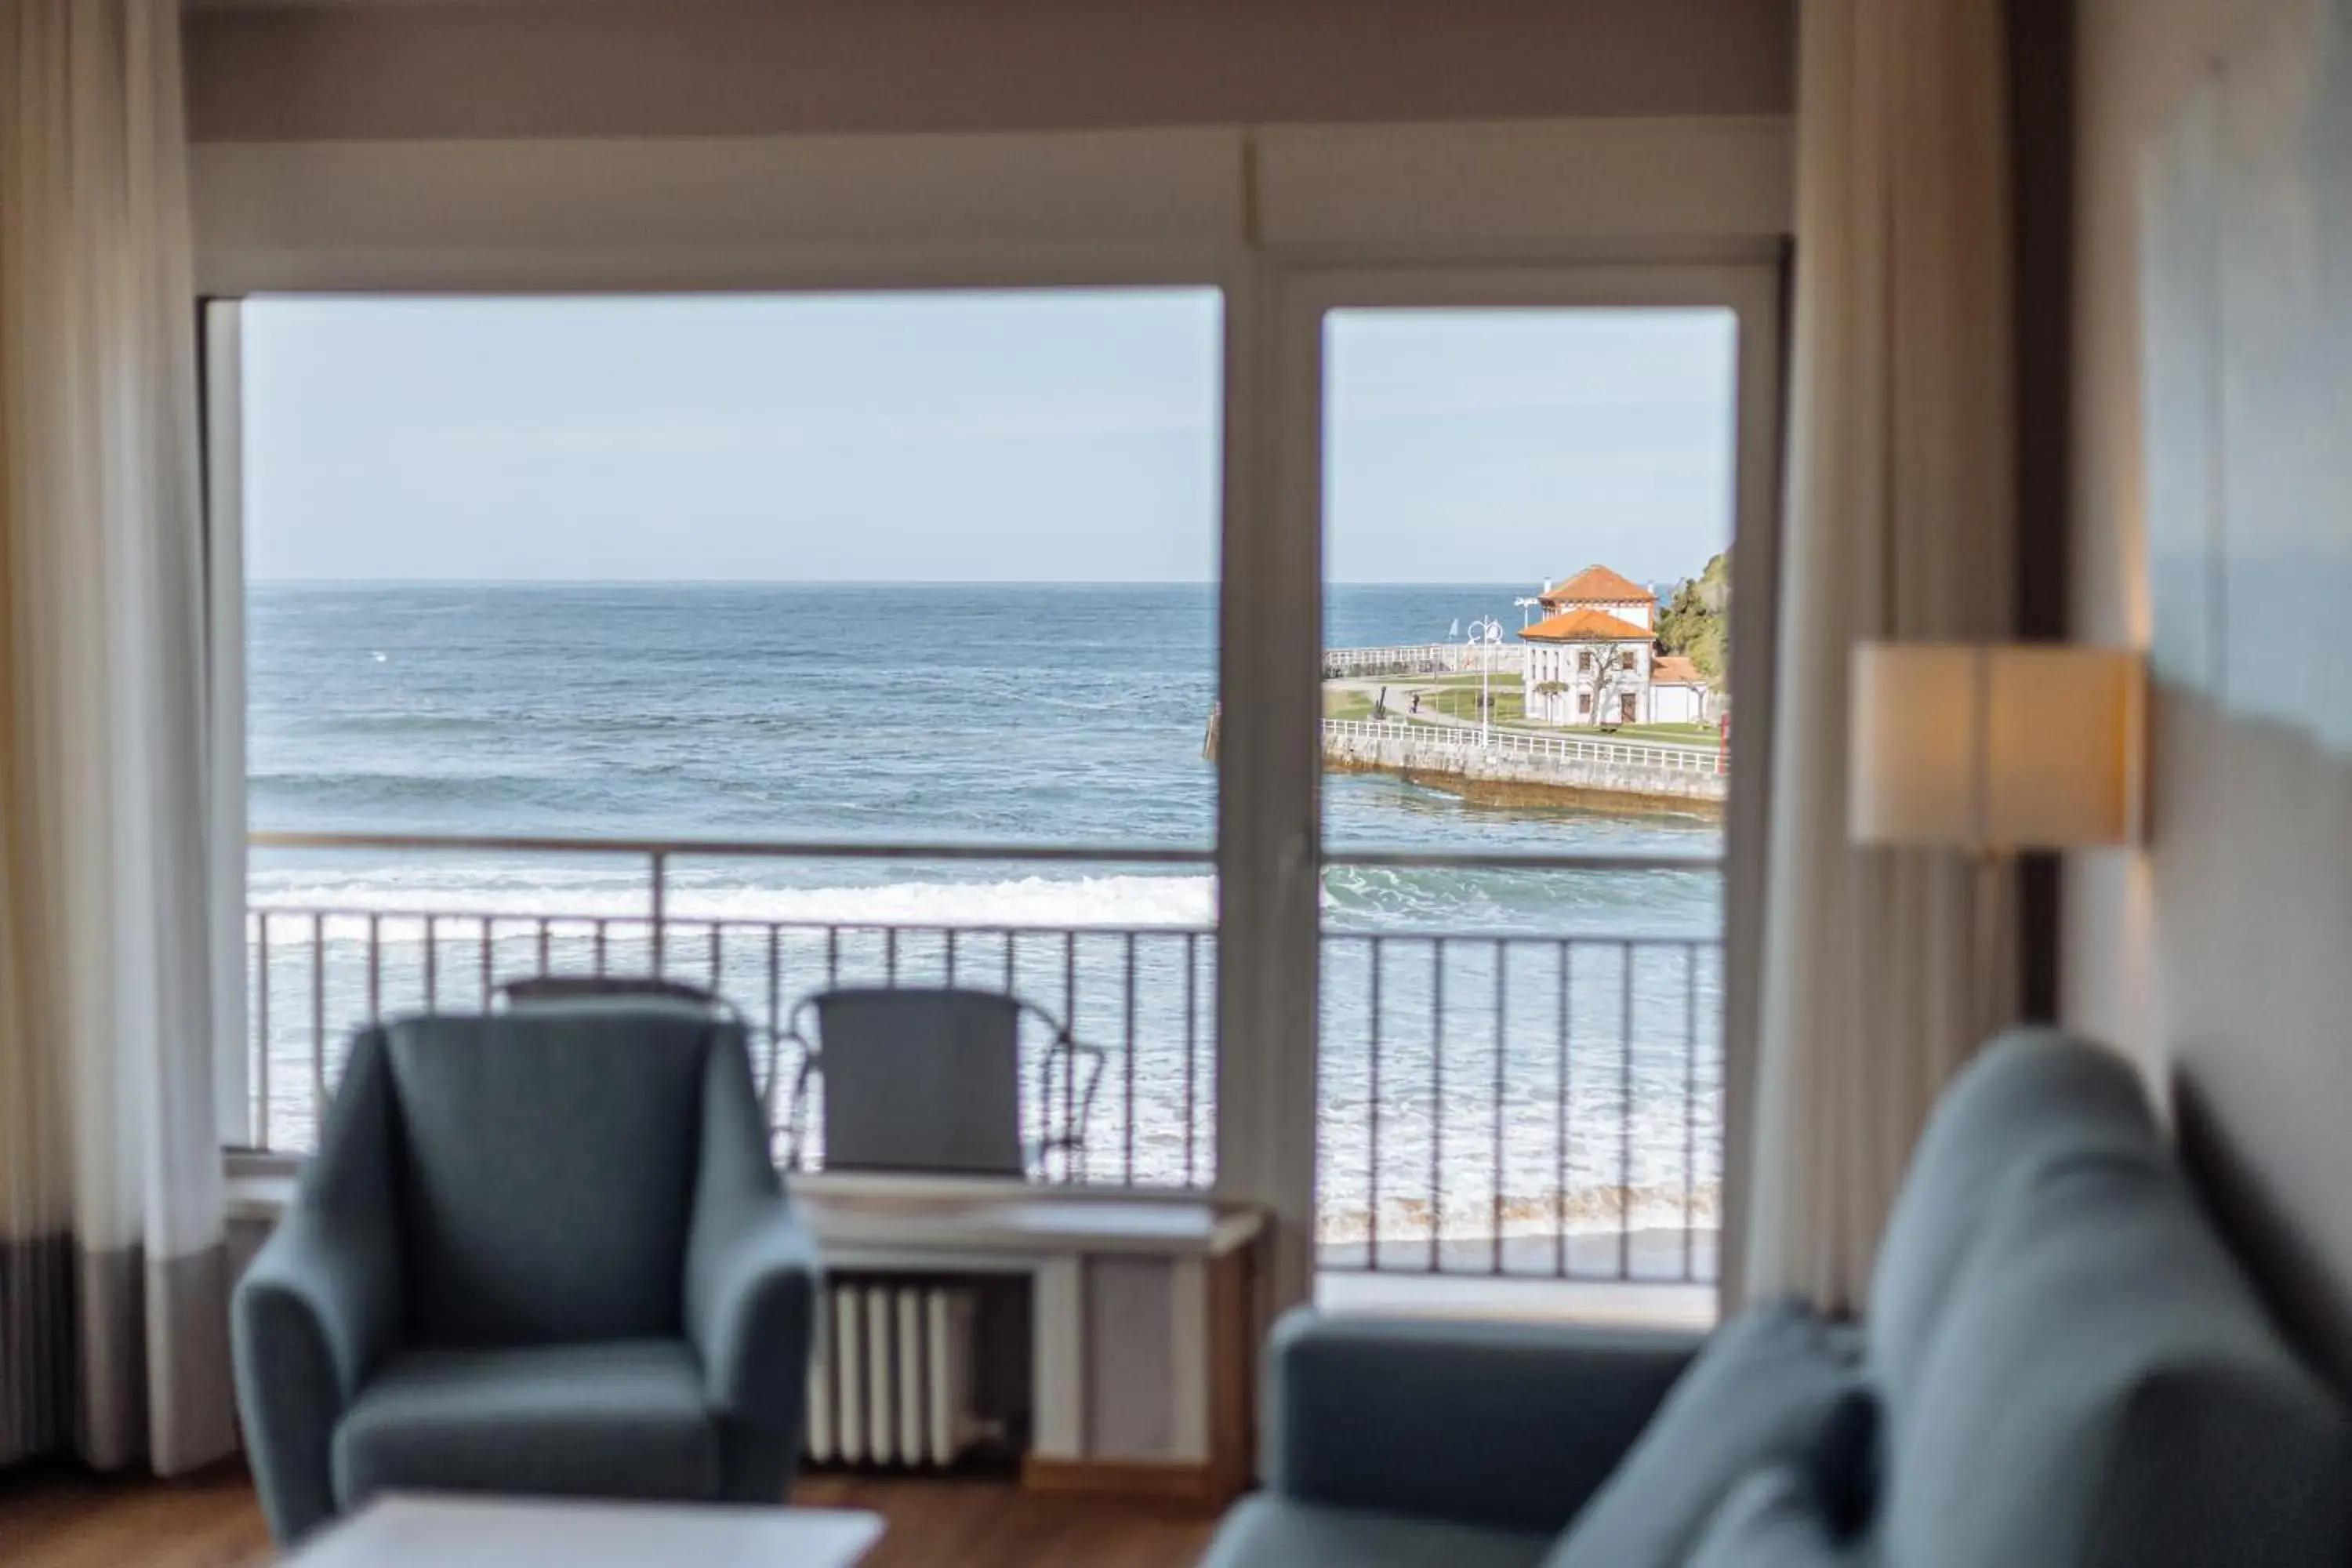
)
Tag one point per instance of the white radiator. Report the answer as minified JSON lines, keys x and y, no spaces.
{"x":891,"y":1386}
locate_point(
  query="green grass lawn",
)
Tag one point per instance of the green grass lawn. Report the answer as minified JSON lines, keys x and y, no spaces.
{"x":1687,"y":734}
{"x":1460,"y":700}
{"x":1667,"y":733}
{"x":1456,"y":696}
{"x":1348,"y":702}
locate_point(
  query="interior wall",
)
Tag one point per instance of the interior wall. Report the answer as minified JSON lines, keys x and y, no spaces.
{"x":2041,"y":247}
{"x":309,"y":69}
{"x":2219,"y":957}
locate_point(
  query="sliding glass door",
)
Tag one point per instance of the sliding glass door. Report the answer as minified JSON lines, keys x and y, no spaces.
{"x":1542,"y":503}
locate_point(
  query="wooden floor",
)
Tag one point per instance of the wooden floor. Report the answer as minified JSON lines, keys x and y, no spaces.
{"x":58,"y":1518}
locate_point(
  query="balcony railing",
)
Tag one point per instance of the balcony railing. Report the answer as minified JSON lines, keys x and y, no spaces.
{"x":1519,"y":1103}
{"x":1546,"y":1107}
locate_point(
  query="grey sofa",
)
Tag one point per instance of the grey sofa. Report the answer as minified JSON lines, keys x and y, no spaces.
{"x":544,"y":1252}
{"x":2063,"y":1368}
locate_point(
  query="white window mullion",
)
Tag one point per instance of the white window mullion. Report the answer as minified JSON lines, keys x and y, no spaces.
{"x":1270,"y":678}
{"x":224,"y":800}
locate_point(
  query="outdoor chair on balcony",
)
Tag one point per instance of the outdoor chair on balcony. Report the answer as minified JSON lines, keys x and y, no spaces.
{"x":597,"y":991}
{"x":927,"y":1080}
{"x":542,"y":1252}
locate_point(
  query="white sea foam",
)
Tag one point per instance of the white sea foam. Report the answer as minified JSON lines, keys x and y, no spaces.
{"x":1111,"y":901}
{"x":1117,"y":901}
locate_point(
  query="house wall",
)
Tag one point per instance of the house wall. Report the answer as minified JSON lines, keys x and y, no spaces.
{"x":2217,"y":957}
{"x":374,"y":69}
{"x":1644,"y":614}
{"x":1676,"y":704}
{"x":1578,"y":705}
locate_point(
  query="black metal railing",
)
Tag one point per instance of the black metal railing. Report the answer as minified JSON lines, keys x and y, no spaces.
{"x":1515,"y":1105}
{"x":1508,"y":1103}
{"x":1144,"y":996}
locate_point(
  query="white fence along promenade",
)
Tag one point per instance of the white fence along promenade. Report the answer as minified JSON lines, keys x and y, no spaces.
{"x":1704,"y":762}
{"x":1424,"y":658}
{"x":1511,"y":758}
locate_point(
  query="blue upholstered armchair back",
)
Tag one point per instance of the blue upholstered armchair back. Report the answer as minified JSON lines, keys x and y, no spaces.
{"x":545,"y":1169}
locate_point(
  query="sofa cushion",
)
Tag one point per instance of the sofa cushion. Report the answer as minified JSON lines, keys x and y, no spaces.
{"x":1775,"y":1519}
{"x":2104,"y":1392}
{"x":1272,"y":1531}
{"x":1775,"y":1386}
{"x":548,"y":1169}
{"x":2031,"y":1100}
{"x":1400,"y":1414}
{"x":623,"y":1420}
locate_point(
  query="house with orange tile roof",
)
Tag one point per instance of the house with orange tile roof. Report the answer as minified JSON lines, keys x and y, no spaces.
{"x":1593,"y":659}
{"x":1609,"y":593}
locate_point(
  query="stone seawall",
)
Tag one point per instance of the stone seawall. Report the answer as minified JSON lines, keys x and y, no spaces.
{"x":1452,"y":759}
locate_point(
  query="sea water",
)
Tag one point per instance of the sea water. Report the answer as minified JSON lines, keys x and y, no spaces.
{"x":943,"y":712}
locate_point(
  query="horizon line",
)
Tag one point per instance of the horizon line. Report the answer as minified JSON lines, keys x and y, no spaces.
{"x":841,"y":583}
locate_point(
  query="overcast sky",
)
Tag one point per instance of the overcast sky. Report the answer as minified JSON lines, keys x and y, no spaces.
{"x":1063,"y":436}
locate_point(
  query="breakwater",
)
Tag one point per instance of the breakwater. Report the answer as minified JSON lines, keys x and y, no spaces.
{"x":1505,"y":764}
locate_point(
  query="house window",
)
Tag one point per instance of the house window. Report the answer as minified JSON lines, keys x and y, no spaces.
{"x":1584,"y":661}
{"x":1584,"y":705}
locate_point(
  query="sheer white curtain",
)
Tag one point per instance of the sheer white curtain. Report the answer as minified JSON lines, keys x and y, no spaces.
{"x":1899,"y":524}
{"x":113,"y":1338}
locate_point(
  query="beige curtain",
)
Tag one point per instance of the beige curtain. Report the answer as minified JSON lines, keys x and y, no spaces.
{"x":1898,"y":523}
{"x":113,"y":1337}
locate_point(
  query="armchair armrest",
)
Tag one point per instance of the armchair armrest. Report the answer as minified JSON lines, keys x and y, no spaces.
{"x":317,"y":1309}
{"x":751,"y":1307}
{"x":1500,"y":1424}
{"x":319,"y":1306}
{"x":752,"y":1267}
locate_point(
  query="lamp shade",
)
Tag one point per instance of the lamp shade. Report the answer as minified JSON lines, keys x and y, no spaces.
{"x":1994,"y":746}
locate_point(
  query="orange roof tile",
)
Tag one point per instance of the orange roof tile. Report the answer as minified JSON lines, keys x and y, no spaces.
{"x":1599,"y":585}
{"x":1673,"y":669}
{"x":1585,"y":625}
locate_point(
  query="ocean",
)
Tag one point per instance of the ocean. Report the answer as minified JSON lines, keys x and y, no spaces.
{"x":934,"y":713}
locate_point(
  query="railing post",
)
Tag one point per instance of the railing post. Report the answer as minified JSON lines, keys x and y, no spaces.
{"x":261,"y":1022}
{"x":660,"y":866}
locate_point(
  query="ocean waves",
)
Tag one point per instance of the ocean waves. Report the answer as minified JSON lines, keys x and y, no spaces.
{"x":1467,"y":902}
{"x":1490,"y":901}
{"x":517,"y":887}
{"x":1505,"y":1075}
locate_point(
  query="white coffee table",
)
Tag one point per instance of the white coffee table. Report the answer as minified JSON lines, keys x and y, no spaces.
{"x":441,"y":1531}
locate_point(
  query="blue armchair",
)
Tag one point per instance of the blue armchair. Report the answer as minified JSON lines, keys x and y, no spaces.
{"x":540,"y":1253}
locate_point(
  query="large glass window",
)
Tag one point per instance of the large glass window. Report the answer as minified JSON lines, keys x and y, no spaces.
{"x":1529,"y":517}
{"x":781,"y":642}
{"x":873,"y":572}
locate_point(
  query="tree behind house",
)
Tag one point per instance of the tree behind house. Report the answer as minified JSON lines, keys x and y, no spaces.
{"x":1696,"y":622}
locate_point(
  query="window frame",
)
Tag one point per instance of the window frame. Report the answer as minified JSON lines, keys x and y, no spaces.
{"x":1678,"y":210}
{"x":220,"y":360}
{"x":1753,"y":291}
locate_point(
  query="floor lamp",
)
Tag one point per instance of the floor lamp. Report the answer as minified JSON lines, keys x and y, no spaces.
{"x":1991,"y":749}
